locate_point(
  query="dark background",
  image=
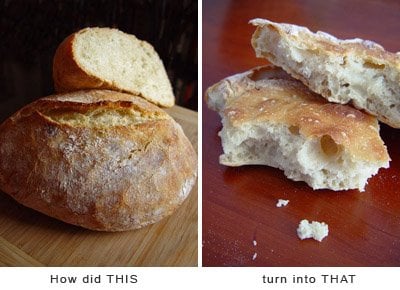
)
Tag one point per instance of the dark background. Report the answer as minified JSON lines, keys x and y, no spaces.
{"x":30,"y":32}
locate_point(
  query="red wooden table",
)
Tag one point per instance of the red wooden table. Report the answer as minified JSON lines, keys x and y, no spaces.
{"x":239,"y":204}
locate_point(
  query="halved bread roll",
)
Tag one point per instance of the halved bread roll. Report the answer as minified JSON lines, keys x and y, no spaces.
{"x":272,"y":119}
{"x":105,"y":58}
{"x":353,"y":71}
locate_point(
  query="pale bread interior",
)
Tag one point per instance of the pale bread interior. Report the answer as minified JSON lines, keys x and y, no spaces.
{"x":125,"y":62}
{"x":320,"y":162}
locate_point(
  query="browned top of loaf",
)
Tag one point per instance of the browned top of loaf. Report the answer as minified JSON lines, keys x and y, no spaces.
{"x":268,"y":94}
{"x":99,"y":159}
{"x":327,"y":43}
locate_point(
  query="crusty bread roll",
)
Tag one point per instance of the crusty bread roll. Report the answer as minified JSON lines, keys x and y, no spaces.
{"x":105,"y":58}
{"x":270,"y":118}
{"x":99,"y":159}
{"x":353,"y":71}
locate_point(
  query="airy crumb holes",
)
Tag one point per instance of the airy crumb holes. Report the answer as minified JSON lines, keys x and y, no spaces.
{"x":329,"y":146}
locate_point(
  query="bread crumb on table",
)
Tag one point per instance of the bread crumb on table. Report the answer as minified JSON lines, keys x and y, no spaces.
{"x":316,"y":230}
{"x":282,"y":202}
{"x":254,"y":256}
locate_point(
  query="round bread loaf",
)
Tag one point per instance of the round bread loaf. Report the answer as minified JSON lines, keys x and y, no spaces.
{"x":99,"y":159}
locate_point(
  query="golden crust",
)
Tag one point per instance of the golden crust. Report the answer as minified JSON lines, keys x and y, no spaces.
{"x":68,"y":74}
{"x":270,"y":97}
{"x":58,"y":157}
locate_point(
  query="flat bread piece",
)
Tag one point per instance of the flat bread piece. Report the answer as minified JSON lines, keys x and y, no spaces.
{"x":269,"y":118}
{"x":353,"y":71}
{"x":106,"y":58}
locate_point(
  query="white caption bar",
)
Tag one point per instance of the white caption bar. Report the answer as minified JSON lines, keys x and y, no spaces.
{"x":199,"y":278}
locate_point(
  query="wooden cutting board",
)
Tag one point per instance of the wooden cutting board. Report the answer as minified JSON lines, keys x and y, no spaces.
{"x":241,"y":224}
{"x":28,"y":238}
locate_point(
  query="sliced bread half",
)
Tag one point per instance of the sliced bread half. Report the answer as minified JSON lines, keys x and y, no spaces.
{"x":105,"y":58}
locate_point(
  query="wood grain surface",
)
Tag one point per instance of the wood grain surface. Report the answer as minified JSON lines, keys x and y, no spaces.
{"x":28,"y":238}
{"x":239,"y":204}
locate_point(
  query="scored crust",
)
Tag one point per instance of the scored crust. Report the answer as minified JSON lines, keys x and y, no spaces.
{"x":102,"y":160}
{"x":148,"y":80}
{"x":356,"y":71}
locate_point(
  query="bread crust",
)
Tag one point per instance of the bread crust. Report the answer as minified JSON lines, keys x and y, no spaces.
{"x":59,"y":156}
{"x":268,"y":94}
{"x":327,"y":43}
{"x":69,"y":74}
